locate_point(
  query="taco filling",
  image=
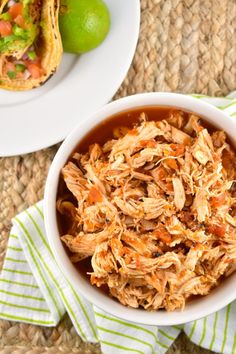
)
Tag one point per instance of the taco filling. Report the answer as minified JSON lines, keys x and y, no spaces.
{"x":30,"y":43}
{"x":18,"y":26}
{"x":28,"y":66}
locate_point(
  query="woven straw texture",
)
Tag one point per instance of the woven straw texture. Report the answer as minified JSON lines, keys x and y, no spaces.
{"x":184,"y":46}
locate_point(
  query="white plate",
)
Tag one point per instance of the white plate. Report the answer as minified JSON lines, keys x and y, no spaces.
{"x":36,"y":119}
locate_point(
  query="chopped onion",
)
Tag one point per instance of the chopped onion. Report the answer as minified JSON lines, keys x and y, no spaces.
{"x":19,"y":62}
{"x":11,"y":3}
{"x":25,"y":56}
{"x":26,"y":74}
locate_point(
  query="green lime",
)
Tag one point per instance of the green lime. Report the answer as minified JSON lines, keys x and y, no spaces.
{"x":83,"y":24}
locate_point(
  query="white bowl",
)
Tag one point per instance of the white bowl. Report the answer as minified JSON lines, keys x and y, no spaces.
{"x":200,"y":307}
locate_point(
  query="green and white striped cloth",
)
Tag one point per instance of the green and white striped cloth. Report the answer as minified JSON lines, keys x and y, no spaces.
{"x":33,"y":290}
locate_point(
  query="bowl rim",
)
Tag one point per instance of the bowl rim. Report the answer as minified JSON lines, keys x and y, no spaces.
{"x":195,"y":310}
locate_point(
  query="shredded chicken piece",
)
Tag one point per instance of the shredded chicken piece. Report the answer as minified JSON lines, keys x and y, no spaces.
{"x":201,"y":205}
{"x":179,"y":192}
{"x":153,"y":210}
{"x":179,"y":136}
{"x":193,"y":124}
{"x":203,"y":147}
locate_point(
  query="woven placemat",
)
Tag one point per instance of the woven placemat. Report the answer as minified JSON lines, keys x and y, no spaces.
{"x":184,"y":46}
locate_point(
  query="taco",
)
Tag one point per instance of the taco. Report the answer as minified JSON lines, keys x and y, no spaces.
{"x":30,"y":43}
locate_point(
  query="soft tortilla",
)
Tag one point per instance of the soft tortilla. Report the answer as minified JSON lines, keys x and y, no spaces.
{"x":50,"y":49}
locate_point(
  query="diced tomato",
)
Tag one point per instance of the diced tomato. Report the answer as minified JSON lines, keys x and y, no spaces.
{"x":5,"y":28}
{"x":9,"y":67}
{"x":217,"y":201}
{"x":19,"y":20}
{"x":36,"y":61}
{"x":148,"y":143}
{"x":16,"y":10}
{"x":218,"y":230}
{"x":178,"y":149}
{"x":162,"y":234}
{"x":20,"y":75}
{"x":35,"y":70}
{"x":172,"y":164}
{"x":94,"y":195}
{"x":165,"y":238}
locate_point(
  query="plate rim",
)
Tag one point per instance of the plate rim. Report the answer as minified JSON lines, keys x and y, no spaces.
{"x":23,"y":150}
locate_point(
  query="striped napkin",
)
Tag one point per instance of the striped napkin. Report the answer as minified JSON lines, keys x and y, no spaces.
{"x":33,"y":290}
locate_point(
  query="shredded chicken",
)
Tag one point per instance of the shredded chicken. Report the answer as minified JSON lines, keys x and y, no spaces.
{"x":154,"y":211}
